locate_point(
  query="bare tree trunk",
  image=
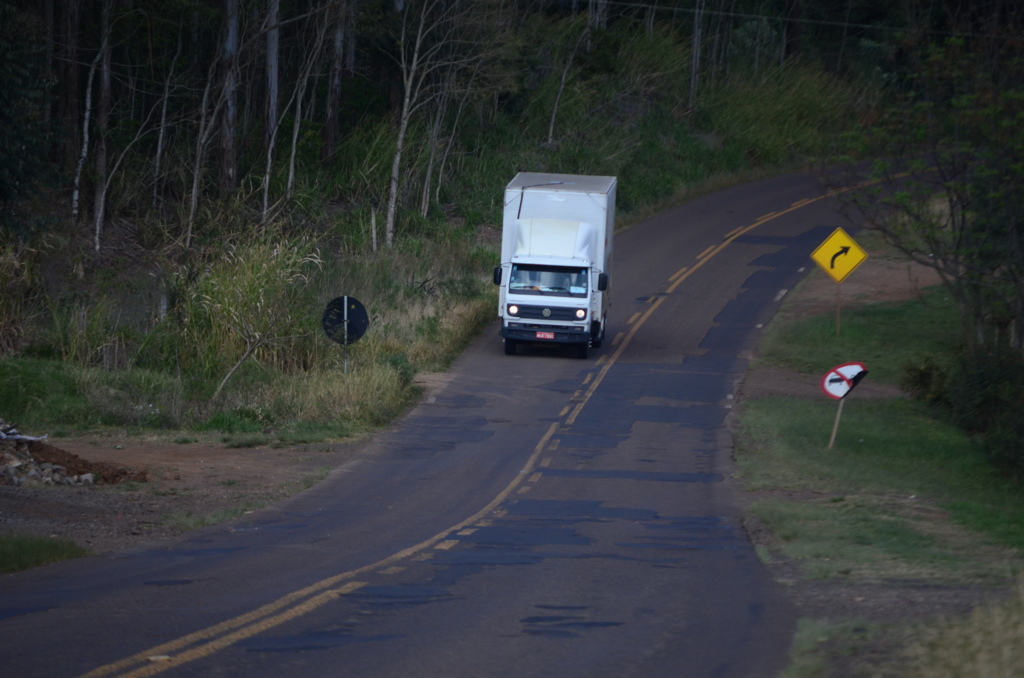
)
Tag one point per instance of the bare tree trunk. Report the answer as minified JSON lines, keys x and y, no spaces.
{"x":50,"y":42}
{"x":312,"y":56}
{"x":350,"y":37}
{"x":447,"y":37}
{"x":597,"y":15}
{"x":794,"y":43}
{"x":391,"y":215}
{"x":727,"y":55}
{"x":270,"y":116}
{"x":412,"y":79}
{"x":206,"y":126}
{"x":715,"y":23}
{"x":698,"y":17}
{"x":757,"y":43}
{"x":561,"y":86}
{"x":273,"y":68}
{"x":102,"y":126}
{"x":228,"y":179}
{"x":842,"y":42}
{"x":68,"y":57}
{"x":451,"y":138}
{"x":373,"y":228}
{"x":250,"y":348}
{"x":441,"y":110}
{"x":83,"y":154}
{"x":725,"y":46}
{"x":162,"y":131}
{"x":330,"y":137}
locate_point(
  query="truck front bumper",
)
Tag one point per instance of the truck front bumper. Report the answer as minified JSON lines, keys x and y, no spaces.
{"x":546,"y":334}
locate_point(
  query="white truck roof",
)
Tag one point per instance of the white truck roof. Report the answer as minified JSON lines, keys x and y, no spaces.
{"x":574,"y":183}
{"x":551,"y":198}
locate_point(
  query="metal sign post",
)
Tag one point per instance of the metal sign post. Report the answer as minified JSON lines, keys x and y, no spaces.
{"x":345,"y":321}
{"x":838,"y":256}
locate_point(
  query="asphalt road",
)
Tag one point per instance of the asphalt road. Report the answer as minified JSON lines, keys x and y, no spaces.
{"x":539,"y":515}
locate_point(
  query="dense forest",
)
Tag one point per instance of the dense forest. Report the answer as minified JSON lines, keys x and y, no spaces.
{"x":148,"y":111}
{"x":185,"y":183}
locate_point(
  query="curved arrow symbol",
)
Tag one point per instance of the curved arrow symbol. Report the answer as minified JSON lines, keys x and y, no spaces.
{"x":845,"y":249}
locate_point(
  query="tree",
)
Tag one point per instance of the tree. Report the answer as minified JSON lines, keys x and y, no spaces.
{"x":24,"y":97}
{"x":66,"y":36}
{"x":229,"y":111}
{"x":695,"y":50}
{"x":561,"y":85}
{"x":435,"y":39}
{"x":102,"y":123}
{"x":313,"y":48}
{"x":794,"y":21}
{"x":950,"y":191}
{"x":342,"y":18}
{"x":164,"y":124}
{"x":273,"y":70}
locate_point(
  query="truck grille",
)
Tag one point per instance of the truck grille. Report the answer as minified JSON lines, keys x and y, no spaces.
{"x":554,"y":313}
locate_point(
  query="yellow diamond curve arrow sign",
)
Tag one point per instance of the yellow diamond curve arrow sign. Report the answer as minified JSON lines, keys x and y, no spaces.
{"x":839,"y":255}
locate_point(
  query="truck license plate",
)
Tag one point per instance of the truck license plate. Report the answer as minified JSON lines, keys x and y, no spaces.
{"x":545,"y":335}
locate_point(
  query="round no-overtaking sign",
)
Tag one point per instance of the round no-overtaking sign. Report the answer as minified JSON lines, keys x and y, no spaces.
{"x":839,"y":381}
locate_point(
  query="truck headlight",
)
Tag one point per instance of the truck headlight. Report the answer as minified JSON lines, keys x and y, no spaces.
{"x":581,"y":313}
{"x":513,"y":309}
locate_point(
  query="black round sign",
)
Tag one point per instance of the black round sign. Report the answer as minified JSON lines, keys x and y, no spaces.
{"x":345,"y":312}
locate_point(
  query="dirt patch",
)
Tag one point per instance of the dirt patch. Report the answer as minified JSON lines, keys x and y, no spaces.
{"x":151,"y":490}
{"x":880,"y":278}
{"x":103,"y":473}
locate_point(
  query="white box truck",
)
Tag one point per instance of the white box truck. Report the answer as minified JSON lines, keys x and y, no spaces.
{"x":556,"y":250}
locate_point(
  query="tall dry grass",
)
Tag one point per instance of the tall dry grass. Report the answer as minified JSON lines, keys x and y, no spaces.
{"x":14,"y":285}
{"x":238,"y":314}
{"x":989,"y":643}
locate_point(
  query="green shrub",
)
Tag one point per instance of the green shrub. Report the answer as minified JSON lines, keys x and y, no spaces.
{"x":14,"y":288}
{"x":242,"y":420}
{"x":23,"y":552}
{"x":926,"y":379}
{"x":34,"y":391}
{"x":983,"y":386}
{"x":399,"y":362}
{"x":782,"y":115}
{"x":982,"y":394}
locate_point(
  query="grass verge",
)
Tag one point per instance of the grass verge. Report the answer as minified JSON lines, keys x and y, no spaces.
{"x":903,"y":499}
{"x":987,"y":644}
{"x":23,"y":552}
{"x":900,"y":495}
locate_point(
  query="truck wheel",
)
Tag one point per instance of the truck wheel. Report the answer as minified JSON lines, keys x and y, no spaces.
{"x":596,"y":335}
{"x":510,"y":347}
{"x":582,"y":351}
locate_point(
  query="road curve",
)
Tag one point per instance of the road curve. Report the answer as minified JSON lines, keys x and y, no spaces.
{"x":538,"y":515}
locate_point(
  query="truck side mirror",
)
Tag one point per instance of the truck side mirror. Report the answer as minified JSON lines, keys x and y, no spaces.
{"x":602,"y":282}
{"x":497,"y":275}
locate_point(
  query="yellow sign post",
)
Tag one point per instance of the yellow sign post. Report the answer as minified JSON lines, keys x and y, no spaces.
{"x":838,"y":256}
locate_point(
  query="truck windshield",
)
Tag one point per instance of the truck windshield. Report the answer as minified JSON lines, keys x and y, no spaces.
{"x":564,"y":281}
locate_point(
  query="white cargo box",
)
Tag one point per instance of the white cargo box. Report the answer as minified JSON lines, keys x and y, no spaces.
{"x":567,"y":197}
